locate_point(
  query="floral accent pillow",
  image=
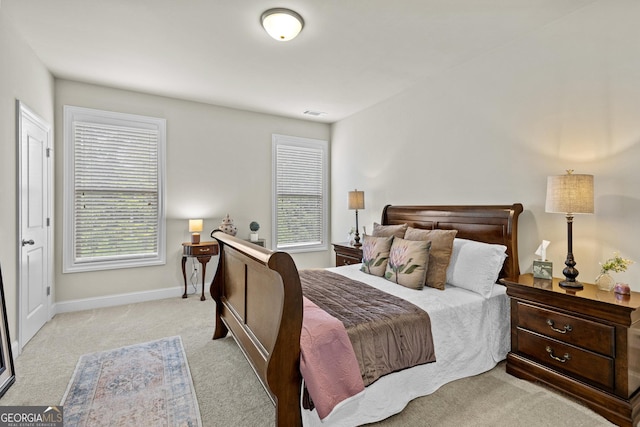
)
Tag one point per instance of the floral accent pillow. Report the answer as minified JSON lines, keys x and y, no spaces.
{"x":389,"y":230}
{"x":375,"y":253}
{"x":408,"y":260}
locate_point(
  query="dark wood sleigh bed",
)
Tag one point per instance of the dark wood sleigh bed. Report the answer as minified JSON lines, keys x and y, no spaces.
{"x":259,"y":298}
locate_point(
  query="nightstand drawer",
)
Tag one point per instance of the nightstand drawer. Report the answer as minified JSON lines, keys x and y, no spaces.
{"x":346,"y":260}
{"x":590,"y":367}
{"x":573,"y":330}
{"x":201,"y":250}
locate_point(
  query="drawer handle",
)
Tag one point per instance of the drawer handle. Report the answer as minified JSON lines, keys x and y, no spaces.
{"x":567,"y":328}
{"x":563,"y":359}
{"x":205,"y":249}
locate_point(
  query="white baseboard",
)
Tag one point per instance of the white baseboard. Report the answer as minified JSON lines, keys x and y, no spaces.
{"x":108,"y":301}
{"x":113,"y":300}
{"x":15,"y":349}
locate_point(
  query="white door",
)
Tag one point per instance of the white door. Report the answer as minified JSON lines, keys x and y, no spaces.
{"x":35,"y":238}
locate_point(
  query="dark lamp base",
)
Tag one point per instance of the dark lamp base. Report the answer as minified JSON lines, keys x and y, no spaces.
{"x":572,"y":285}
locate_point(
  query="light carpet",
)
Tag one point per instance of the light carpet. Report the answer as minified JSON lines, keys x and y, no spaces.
{"x":144,"y":384}
{"x":228,"y":391}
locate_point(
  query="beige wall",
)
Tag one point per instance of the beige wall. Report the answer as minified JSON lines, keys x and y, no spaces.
{"x":491,"y":130}
{"x":22,"y":77}
{"x":218,"y":162}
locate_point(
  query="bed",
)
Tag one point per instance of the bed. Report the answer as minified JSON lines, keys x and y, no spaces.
{"x":259,"y":300}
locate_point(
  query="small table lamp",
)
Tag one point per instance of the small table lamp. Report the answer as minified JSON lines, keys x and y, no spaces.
{"x":356,"y":201}
{"x":570,"y":194}
{"x":195,"y":227}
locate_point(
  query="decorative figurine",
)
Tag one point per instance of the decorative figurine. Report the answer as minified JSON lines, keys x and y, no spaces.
{"x":227,"y":226}
{"x":254,"y":227}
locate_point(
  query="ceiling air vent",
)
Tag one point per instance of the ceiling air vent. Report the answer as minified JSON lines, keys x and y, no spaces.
{"x":314,"y":113}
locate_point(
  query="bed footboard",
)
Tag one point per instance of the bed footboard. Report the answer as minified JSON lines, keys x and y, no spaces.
{"x":259,"y":299}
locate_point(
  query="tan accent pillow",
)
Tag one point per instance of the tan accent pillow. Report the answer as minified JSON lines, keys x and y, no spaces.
{"x":440,"y":254}
{"x":375,"y":253}
{"x":389,"y":230}
{"x":407,"y":265}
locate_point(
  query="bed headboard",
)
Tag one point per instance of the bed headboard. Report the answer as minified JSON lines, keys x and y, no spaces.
{"x":489,"y":224}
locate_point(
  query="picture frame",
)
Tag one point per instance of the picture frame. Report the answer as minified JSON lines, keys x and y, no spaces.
{"x":7,"y":369}
{"x":542,"y":270}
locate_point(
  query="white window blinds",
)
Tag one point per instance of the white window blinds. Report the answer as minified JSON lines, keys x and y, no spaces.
{"x":300,"y":193}
{"x":116,"y":190}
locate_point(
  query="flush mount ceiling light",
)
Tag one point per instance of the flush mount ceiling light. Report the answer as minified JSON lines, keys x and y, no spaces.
{"x":282,"y":24}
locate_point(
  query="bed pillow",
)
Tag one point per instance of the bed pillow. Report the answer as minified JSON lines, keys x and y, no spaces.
{"x":389,"y":230}
{"x":475,"y":265}
{"x":375,"y":253}
{"x":408,"y":260}
{"x":439,"y":255}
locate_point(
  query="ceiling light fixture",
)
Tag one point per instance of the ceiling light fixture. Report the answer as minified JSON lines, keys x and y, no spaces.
{"x":282,"y":24}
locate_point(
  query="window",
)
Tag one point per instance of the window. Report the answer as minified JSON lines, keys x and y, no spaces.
{"x":300,"y":173}
{"x":113,"y":190}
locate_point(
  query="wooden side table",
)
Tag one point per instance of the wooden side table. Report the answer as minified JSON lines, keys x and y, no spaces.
{"x":347,"y":254}
{"x":582,"y":342}
{"x":259,"y":242}
{"x":203,"y":251}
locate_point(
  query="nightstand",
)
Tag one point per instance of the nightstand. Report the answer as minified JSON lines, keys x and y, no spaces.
{"x":259,"y":242}
{"x":347,"y":254}
{"x":203,"y":252}
{"x":585,"y":343}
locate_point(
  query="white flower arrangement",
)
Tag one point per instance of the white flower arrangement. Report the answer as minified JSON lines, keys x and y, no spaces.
{"x":617,"y":264}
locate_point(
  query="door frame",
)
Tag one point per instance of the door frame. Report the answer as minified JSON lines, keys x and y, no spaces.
{"x":23,"y":111}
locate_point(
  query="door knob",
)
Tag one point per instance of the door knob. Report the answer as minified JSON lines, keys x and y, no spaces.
{"x":28,"y":242}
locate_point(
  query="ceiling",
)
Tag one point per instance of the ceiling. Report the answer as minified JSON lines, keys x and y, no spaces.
{"x":350,"y":55}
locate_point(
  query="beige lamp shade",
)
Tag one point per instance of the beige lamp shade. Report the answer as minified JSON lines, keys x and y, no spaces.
{"x":570,"y":194}
{"x":356,"y":199}
{"x":195,"y":225}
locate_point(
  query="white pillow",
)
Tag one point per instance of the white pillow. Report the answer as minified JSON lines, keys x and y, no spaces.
{"x":475,"y":265}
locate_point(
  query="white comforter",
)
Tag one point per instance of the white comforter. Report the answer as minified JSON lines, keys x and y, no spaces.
{"x":471,"y":335}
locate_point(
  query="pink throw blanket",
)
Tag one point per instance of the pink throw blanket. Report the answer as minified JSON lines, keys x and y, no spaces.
{"x":327,"y":361}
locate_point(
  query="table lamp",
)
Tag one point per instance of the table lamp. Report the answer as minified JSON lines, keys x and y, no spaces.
{"x":356,"y":201}
{"x":570,"y":194}
{"x":195,"y":227}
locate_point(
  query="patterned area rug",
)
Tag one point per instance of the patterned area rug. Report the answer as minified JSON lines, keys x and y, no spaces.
{"x":145,"y":384}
